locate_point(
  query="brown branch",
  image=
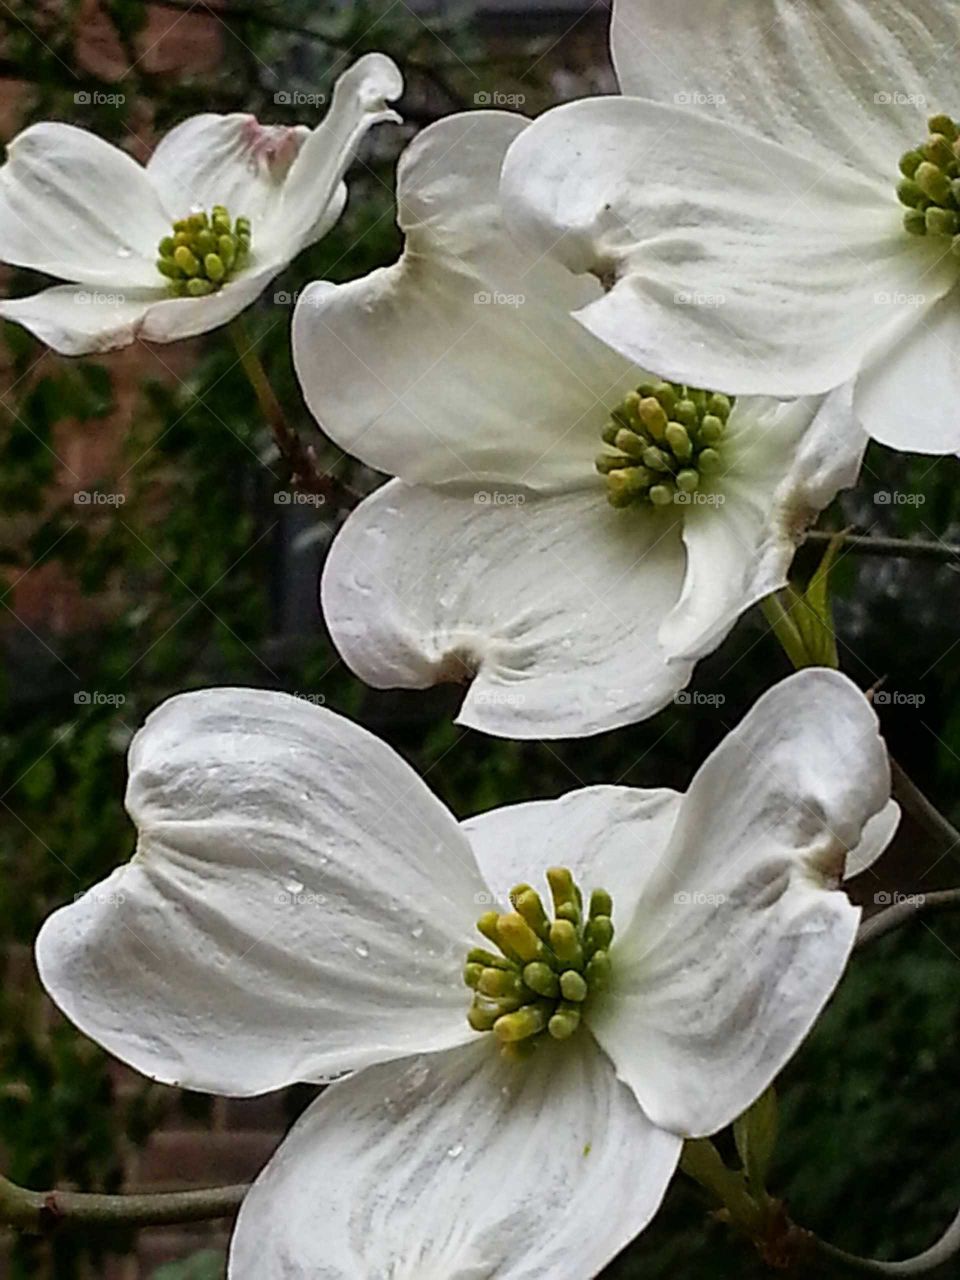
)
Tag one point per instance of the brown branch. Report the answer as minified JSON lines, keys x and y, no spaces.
{"x":306,"y":473}
{"x":868,"y":544}
{"x":44,"y":1212}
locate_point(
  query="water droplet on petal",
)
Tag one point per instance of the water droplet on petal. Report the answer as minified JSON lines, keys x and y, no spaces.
{"x":455,"y":1150}
{"x":362,"y":952}
{"x":124,"y":252}
{"x":417,"y":932}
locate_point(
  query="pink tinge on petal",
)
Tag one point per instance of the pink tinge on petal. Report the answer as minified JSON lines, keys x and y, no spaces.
{"x":273,"y":147}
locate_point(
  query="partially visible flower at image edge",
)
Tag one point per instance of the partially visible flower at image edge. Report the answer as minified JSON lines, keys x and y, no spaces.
{"x":299,"y":906}
{"x":807,"y":171}
{"x":183,"y":244}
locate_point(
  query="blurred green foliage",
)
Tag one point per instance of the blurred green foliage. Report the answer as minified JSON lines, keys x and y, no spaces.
{"x":207,"y":1265}
{"x":188,"y":583}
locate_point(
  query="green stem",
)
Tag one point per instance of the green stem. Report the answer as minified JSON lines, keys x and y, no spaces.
{"x":906,"y":548}
{"x":42,"y":1212}
{"x":305,"y":471}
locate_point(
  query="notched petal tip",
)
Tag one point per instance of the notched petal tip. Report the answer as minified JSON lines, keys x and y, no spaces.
{"x":458,"y":665}
{"x":272,"y":147}
{"x":826,"y":864}
{"x":607,"y":273}
{"x":797,"y":517}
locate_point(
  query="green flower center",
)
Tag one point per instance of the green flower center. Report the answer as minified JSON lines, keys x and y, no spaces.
{"x":544,"y":971}
{"x":930,"y":186}
{"x":203,"y":252}
{"x":664,"y":441}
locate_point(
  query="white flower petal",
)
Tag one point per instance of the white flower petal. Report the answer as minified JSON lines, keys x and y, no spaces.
{"x":461,"y":361}
{"x":784,"y":462}
{"x":459,"y":1166}
{"x":313,"y":192}
{"x":553,"y":601}
{"x":742,"y":934}
{"x":232,"y":160}
{"x":907,"y":398}
{"x":842,"y":79}
{"x":877,"y":834}
{"x":75,"y":320}
{"x":610,"y":838}
{"x":299,"y":904}
{"x":735,"y":263}
{"x":171,"y":319}
{"x":76,"y":207}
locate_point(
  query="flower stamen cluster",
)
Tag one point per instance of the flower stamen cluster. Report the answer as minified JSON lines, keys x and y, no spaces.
{"x":203,"y":252}
{"x":930,"y":186}
{"x":546,"y":969}
{"x":664,"y":440}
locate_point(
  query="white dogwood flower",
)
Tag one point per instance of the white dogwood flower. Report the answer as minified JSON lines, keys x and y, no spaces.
{"x":301,"y":906}
{"x":782,"y":156}
{"x":496,"y":556}
{"x":185,"y":243}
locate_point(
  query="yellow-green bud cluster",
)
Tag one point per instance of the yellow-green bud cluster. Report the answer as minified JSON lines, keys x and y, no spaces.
{"x":664,"y":442}
{"x":544,"y":969}
{"x":203,"y":252}
{"x":930,"y":185}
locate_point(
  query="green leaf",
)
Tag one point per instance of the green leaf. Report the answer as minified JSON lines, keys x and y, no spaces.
{"x":803,"y":620}
{"x":755,"y":1134}
{"x":815,"y":616}
{"x":702,"y":1161}
{"x":207,"y":1265}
